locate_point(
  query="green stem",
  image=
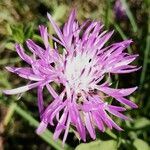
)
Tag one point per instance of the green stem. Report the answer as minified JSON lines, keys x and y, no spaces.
{"x":130,"y":15}
{"x":107,"y":11}
{"x":10,"y":113}
{"x":146,"y":54}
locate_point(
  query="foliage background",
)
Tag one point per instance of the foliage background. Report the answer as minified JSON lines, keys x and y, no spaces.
{"x":19,"y":20}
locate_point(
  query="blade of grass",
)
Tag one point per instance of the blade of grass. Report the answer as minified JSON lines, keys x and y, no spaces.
{"x":145,"y":63}
{"x":146,"y":53}
{"x":124,"y":37}
{"x":107,"y":14}
{"x":108,"y":20}
{"x":10,"y":112}
{"x":47,"y":135}
{"x":111,"y":134}
{"x":4,"y":80}
{"x":130,"y":15}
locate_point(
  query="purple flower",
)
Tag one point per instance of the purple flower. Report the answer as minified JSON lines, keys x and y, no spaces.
{"x":120,"y":10}
{"x":81,"y":71}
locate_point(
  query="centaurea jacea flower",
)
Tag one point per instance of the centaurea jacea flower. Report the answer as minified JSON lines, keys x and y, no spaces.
{"x":81,"y":70}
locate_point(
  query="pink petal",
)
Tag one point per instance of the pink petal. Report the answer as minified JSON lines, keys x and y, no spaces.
{"x":89,"y":125}
{"x":21,"y":53}
{"x":21,"y":89}
{"x":41,"y":128}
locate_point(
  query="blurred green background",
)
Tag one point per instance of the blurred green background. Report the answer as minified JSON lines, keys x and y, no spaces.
{"x":19,"y":20}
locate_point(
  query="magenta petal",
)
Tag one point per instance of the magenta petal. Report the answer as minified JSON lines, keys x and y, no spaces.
{"x":44,"y":35}
{"x":40,"y":100}
{"x":52,"y":92}
{"x":66,"y":131}
{"x":89,"y":126}
{"x":128,"y":91}
{"x":56,"y":28}
{"x":76,"y":120}
{"x":104,"y":118}
{"x":116,"y":108}
{"x":21,"y":89}
{"x":114,"y":124}
{"x":104,"y":39}
{"x":25,"y":72}
{"x":81,"y":129}
{"x":35,"y":48}
{"x":41,"y":127}
{"x":117,"y":114}
{"x":21,"y":53}
{"x":69,"y":25}
{"x":98,"y":121}
{"x":54,"y":113}
{"x":61,"y":123}
{"x":118,"y":92}
{"x":127,"y":102}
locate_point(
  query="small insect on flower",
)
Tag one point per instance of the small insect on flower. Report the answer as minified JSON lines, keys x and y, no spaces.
{"x":81,"y":70}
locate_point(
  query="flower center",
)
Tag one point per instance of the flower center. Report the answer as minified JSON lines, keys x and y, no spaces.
{"x":79,"y":71}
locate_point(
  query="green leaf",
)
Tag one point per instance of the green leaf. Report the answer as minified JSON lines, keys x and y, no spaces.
{"x":141,"y":123}
{"x":141,"y":145}
{"x":10,"y":46}
{"x":98,"y":145}
{"x":28,"y":31}
{"x":111,"y":134}
{"x":59,"y":12}
{"x":17,"y":33}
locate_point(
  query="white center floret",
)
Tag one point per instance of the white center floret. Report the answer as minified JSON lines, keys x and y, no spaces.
{"x":79,"y":71}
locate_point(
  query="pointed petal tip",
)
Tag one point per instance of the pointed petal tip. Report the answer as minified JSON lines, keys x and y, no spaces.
{"x":139,"y":68}
{"x":94,"y":137}
{"x":103,"y":130}
{"x":130,"y":41}
{"x":74,"y":11}
{"x":42,"y":127}
{"x":135,"y":106}
{"x":49,"y":16}
{"x":18,"y":46}
{"x":28,"y":40}
{"x":9,"y":68}
{"x":84,"y":140}
{"x":112,"y":31}
{"x":21,"y":89}
{"x":55,"y":138}
{"x":134,"y":88}
{"x":8,"y":92}
{"x":121,"y":129}
{"x":41,"y":26}
{"x":5,"y":92}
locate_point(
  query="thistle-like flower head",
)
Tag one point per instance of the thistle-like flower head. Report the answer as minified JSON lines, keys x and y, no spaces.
{"x":82,"y":71}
